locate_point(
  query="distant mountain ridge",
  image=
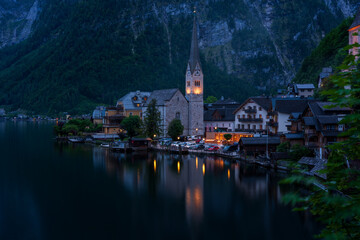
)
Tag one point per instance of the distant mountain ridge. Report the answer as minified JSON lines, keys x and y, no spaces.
{"x":69,"y":55}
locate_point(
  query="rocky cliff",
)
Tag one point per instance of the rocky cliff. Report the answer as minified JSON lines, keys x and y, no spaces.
{"x":104,"y":45}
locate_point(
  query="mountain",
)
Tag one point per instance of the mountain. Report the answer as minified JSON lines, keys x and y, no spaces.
{"x":329,"y":53}
{"x":68,"y":55}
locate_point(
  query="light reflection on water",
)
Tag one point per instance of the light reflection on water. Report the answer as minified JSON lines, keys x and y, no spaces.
{"x":181,"y":178}
{"x":51,"y":190}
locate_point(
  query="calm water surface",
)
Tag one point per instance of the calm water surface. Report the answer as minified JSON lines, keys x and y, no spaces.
{"x":64,"y":191}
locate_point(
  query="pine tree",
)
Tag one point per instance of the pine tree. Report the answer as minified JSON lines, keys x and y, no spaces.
{"x":152,"y":120}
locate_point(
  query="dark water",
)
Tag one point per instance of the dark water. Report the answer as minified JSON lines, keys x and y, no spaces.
{"x":64,"y":191}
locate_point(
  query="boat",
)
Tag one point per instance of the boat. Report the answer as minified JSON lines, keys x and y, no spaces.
{"x":105,"y":145}
{"x":76,"y":140}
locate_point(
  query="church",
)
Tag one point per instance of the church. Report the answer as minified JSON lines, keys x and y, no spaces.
{"x":172,"y":104}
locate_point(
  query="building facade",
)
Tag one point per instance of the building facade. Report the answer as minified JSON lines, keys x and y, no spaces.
{"x":252,"y":116}
{"x":353,"y":37}
{"x":133,"y":103}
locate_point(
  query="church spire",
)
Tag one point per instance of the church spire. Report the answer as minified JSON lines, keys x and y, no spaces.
{"x":194,"y":51}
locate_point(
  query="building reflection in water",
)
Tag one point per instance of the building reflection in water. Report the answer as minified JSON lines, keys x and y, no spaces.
{"x":182,"y":177}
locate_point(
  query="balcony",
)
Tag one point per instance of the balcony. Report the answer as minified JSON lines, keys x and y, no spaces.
{"x":250,"y":130}
{"x":251,"y":120}
{"x":250,"y":110}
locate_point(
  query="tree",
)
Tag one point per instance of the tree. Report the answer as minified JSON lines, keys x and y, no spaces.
{"x":210,"y":99}
{"x":227,"y":136}
{"x":283,"y":147}
{"x":132,"y":125}
{"x":152,"y":120}
{"x":338,"y":207}
{"x":297,"y":152}
{"x":175,"y":129}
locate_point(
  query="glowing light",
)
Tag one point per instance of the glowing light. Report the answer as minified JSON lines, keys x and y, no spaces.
{"x":203,"y":168}
{"x":178,"y":167}
{"x":178,"y":138}
{"x":197,"y":163}
{"x":228,"y":173}
{"x":154,"y":135}
{"x":154,"y":165}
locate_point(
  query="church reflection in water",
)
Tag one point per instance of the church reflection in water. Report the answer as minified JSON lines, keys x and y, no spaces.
{"x":185,"y":177}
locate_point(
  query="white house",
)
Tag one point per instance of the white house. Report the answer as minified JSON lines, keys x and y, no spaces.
{"x":252,"y":115}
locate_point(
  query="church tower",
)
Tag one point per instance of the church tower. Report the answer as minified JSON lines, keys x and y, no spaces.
{"x":194,"y":87}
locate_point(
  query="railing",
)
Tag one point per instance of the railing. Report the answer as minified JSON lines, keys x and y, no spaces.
{"x":310,"y":131}
{"x":256,"y":120}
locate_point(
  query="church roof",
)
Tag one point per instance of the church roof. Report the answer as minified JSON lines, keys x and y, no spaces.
{"x":161,"y":96}
{"x":194,"y":51}
{"x":356,"y":22}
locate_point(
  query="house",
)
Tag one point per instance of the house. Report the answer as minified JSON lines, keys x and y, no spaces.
{"x":112,"y":120}
{"x":317,"y":127}
{"x":283,"y":108}
{"x":133,"y":103}
{"x":354,"y":28}
{"x":171,"y":104}
{"x":301,"y":90}
{"x":219,"y":116}
{"x":258,"y":145}
{"x":252,"y":116}
{"x":98,"y":115}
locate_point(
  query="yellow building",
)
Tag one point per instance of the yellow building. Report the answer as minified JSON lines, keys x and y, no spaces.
{"x":112,"y":120}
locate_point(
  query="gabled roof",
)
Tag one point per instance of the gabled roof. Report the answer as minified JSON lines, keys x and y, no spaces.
{"x":194,"y":50}
{"x":291,"y":105}
{"x":328,"y":119}
{"x":260,"y":140}
{"x":294,"y":135}
{"x":226,"y":114}
{"x":325,"y":106}
{"x":356,"y":22}
{"x":226,"y":102}
{"x":161,"y":96}
{"x":305,"y":86}
{"x":264,"y":102}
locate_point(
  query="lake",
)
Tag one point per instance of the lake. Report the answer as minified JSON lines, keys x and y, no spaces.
{"x":53,"y":190}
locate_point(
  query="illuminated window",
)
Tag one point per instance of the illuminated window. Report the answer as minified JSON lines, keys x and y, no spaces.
{"x":260,"y":116}
{"x":261,"y":127}
{"x":197,"y":83}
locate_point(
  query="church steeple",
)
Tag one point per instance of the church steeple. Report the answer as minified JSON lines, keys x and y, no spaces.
{"x":194,"y":51}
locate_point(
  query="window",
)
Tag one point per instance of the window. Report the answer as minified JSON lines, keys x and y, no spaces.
{"x":243,"y":126}
{"x":267,"y":116}
{"x":130,"y":114}
{"x":254,"y":127}
{"x":261,"y":127}
{"x":260,"y":116}
{"x":260,"y":108}
{"x":249,"y":117}
{"x":188,"y":83}
{"x":138,"y":105}
{"x":249,"y":126}
{"x":197,"y":83}
{"x":254,"y":107}
{"x":177,"y":116}
{"x":238,"y":126}
{"x":243,"y":115}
